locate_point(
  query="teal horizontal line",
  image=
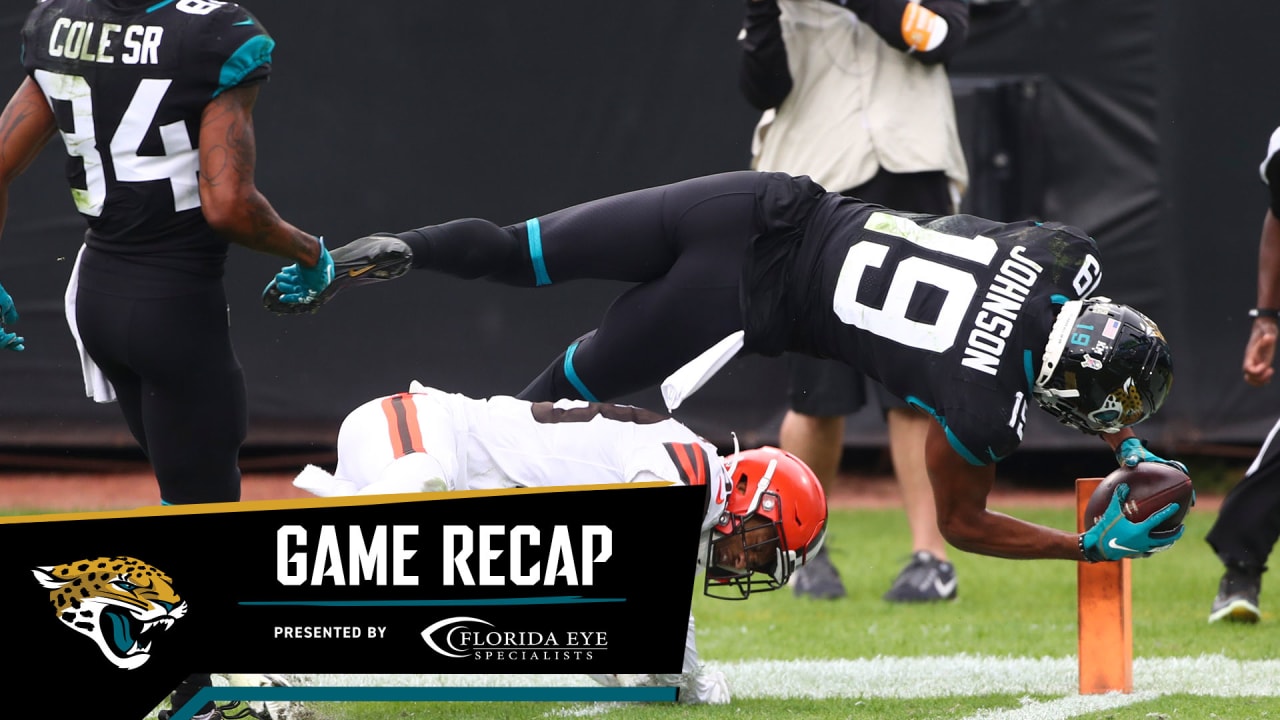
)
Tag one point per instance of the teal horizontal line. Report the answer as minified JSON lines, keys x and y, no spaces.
{"x":427,"y":694}
{"x":561,"y":600}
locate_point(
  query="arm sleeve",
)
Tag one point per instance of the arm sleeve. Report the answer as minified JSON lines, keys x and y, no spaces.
{"x":763,"y":76}
{"x":914,"y":27}
{"x":1270,"y":170}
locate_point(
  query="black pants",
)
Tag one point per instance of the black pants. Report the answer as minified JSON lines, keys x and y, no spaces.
{"x":1248,"y":525}
{"x":683,"y":244}
{"x":177,"y":379}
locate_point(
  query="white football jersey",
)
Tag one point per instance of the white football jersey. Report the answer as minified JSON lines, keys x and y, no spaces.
{"x":427,"y":439}
{"x":399,"y":442}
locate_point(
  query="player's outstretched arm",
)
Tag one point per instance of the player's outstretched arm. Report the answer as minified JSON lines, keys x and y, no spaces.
{"x":232,"y":204}
{"x":960,"y":492}
{"x":26,"y":125}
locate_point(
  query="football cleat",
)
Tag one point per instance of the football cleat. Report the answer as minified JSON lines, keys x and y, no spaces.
{"x":1237,"y":599}
{"x":360,"y":262}
{"x":818,"y":578}
{"x":924,"y":579}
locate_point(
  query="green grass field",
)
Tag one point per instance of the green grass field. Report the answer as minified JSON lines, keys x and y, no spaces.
{"x":1005,"y":649}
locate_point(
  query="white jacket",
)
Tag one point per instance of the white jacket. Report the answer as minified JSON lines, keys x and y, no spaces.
{"x":856,"y":105}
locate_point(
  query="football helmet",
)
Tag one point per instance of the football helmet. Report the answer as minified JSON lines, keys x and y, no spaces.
{"x":778,"y":488}
{"x":1106,"y":367}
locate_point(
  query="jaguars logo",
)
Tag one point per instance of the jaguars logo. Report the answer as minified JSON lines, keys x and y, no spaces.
{"x":120,"y":603}
{"x":1124,"y":402}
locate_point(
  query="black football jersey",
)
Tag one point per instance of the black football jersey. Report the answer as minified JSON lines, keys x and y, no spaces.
{"x":950,"y":313}
{"x":128,"y":82}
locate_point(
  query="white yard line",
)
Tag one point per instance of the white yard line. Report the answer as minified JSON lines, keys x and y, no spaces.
{"x":976,"y":675}
{"x":1063,"y":708}
{"x":936,"y":676}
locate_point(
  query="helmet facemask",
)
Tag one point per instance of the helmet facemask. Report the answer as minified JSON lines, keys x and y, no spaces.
{"x":755,"y":533}
{"x":1105,"y":367}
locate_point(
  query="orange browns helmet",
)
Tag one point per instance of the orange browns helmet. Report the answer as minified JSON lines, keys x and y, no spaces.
{"x":776,"y":485}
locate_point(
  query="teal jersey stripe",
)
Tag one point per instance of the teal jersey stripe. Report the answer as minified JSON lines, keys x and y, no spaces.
{"x":951,"y":438}
{"x":572,"y":375}
{"x":254,"y":53}
{"x":533,"y":229}
{"x":159,"y":5}
{"x":1031,"y":374}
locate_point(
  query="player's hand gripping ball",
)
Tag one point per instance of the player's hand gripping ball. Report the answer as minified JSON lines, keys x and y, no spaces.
{"x":1152,"y":486}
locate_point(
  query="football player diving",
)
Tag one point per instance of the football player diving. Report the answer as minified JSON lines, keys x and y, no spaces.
{"x":969,"y":320}
{"x":766,"y":511}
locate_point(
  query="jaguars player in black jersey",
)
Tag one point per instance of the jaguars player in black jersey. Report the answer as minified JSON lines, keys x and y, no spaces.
{"x":967,"y":319}
{"x":154,"y":102}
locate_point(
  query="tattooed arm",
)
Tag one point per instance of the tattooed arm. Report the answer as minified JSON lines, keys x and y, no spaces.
{"x":232,"y":204}
{"x":25,"y":128}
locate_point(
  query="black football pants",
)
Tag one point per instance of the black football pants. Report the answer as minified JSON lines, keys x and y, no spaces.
{"x":682,"y":244}
{"x":1248,"y":525}
{"x":178,"y":383}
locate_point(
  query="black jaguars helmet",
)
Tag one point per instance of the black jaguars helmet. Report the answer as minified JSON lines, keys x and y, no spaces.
{"x":1106,"y":366}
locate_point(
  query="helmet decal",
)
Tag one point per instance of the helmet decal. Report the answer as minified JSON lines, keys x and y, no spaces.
{"x":1105,"y":367}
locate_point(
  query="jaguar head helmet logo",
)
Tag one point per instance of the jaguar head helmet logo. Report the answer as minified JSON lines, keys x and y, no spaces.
{"x":120,"y":603}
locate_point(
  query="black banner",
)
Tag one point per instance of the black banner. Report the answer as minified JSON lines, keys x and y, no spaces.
{"x":524,"y":581}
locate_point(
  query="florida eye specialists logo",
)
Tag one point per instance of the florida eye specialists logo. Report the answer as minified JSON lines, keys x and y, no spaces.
{"x":469,"y":637}
{"x":118,"y":602}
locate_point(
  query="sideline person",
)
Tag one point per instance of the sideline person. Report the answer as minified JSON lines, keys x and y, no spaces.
{"x":1248,"y":524}
{"x":856,"y":96}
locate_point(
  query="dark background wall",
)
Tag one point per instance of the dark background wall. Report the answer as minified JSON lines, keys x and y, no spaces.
{"x":1143,"y":122}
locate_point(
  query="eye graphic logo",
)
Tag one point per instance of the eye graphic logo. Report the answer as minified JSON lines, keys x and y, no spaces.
{"x":120,"y":603}
{"x":468,"y":637}
{"x":453,"y":633}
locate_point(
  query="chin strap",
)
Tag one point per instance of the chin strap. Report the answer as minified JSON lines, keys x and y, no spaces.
{"x":1053,"y":348}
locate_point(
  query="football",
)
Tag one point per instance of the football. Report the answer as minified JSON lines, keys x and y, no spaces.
{"x":1151,"y":486}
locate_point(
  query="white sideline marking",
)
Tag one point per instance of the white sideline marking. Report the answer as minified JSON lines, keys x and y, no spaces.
{"x":935,"y":676}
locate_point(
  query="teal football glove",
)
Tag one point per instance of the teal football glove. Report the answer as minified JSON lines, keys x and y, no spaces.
{"x":1115,"y":536}
{"x":1133,"y":451}
{"x":9,"y":316}
{"x":301,"y":285}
